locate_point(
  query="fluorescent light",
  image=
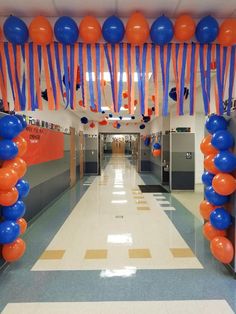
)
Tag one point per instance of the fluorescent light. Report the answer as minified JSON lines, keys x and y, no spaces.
{"x":118,"y":186}
{"x":105,"y":108}
{"x":118,"y":119}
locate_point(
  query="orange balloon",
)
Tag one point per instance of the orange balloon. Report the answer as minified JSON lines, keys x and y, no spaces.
{"x":184,"y":28}
{"x":9,"y":197}
{"x":209,"y":164}
{"x":150,"y":111}
{"x":90,"y":30}
{"x":156,"y":152}
{"x":40,"y":31}
{"x":137,"y":29}
{"x":210,"y":232}
{"x":17,"y":164}
{"x":205,"y":209}
{"x":12,"y":252}
{"x":22,"y":224}
{"x":224,"y":183}
{"x":206,"y":147}
{"x":227,"y":32}
{"x":135,"y":102}
{"x":222,"y":249}
{"x":21,"y":144}
{"x":8,"y":178}
{"x":125,"y":95}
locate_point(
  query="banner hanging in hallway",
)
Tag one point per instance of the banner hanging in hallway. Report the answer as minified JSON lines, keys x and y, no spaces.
{"x":43,"y":145}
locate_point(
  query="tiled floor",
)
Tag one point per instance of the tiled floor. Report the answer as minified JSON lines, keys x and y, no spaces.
{"x":98,"y":249}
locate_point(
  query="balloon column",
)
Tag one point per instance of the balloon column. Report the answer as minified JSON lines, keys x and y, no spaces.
{"x":219,"y":183}
{"x":12,"y":187}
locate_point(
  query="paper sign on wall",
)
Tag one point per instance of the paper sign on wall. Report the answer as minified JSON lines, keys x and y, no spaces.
{"x":43,"y":145}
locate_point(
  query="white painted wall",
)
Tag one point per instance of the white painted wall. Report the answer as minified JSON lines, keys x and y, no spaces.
{"x":64,"y":118}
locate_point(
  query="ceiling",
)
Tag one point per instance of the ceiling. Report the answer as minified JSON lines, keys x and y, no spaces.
{"x":123,"y":8}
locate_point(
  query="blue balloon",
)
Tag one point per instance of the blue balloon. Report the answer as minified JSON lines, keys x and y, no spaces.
{"x":66,"y":30}
{"x":10,"y":127}
{"x":9,"y":231}
{"x":156,"y":146}
{"x":8,"y":150}
{"x":142,"y":126}
{"x":15,"y":30}
{"x":215,"y":198}
{"x":222,"y":140}
{"x":207,"y":178}
{"x":207,"y":30}
{"x":133,"y":117}
{"x":118,"y":125}
{"x":162,"y":30}
{"x":225,"y":161}
{"x":220,"y":218}
{"x":216,"y":123}
{"x":84,"y":120}
{"x":22,"y":120}
{"x":146,"y":119}
{"x":147,"y":141}
{"x":113,"y":30}
{"x":110,"y":115}
{"x":23,"y":188}
{"x":14,"y":212}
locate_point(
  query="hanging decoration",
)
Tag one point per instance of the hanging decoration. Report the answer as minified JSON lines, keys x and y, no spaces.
{"x":71,"y":69}
{"x":219,"y":183}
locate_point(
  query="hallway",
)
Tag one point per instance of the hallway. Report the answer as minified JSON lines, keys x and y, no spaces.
{"x":105,"y":241}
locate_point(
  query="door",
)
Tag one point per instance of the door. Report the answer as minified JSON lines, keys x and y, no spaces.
{"x":81,"y":154}
{"x":118,"y":146}
{"x":72,"y":157}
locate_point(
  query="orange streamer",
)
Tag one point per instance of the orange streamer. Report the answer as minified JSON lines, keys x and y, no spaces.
{"x":12,"y":66}
{"x":76,"y":50}
{"x":47,"y":78}
{"x":132,"y":87}
{"x":157,"y":58}
{"x":84,"y":58}
{"x":36,"y":77}
{"x":4,"y":78}
{"x":148,"y":60}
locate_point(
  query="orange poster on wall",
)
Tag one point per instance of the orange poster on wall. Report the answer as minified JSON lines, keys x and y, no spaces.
{"x":43,"y":145}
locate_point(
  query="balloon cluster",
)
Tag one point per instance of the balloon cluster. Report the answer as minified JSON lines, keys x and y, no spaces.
{"x":219,"y":163}
{"x":156,"y":150}
{"x":137,"y":30}
{"x":12,"y":187}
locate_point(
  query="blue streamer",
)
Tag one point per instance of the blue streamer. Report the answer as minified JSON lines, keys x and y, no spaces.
{"x":137,"y":50}
{"x":129,"y":66}
{"x":167,"y":76}
{"x":121,"y":60}
{"x":58,"y":66}
{"x":65,"y":64}
{"x":31,"y":66}
{"x":17,"y":80}
{"x":110,"y":71}
{"x":9,"y":69}
{"x":162,"y":67}
{"x":218,"y":79}
{"x":143,"y":73}
{"x":231,"y":79}
{"x":72,"y":64}
{"x":113,"y":56}
{"x":23,"y":86}
{"x":99,"y":100}
{"x":202,"y":72}
{"x":81,"y":69}
{"x":181,"y":94}
{"x":51,"y":74}
{"x":208,"y":74}
{"x":192,"y":76}
{"x":91,"y":91}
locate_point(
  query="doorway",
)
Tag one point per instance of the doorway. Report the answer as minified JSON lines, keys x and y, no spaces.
{"x":125,"y":144}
